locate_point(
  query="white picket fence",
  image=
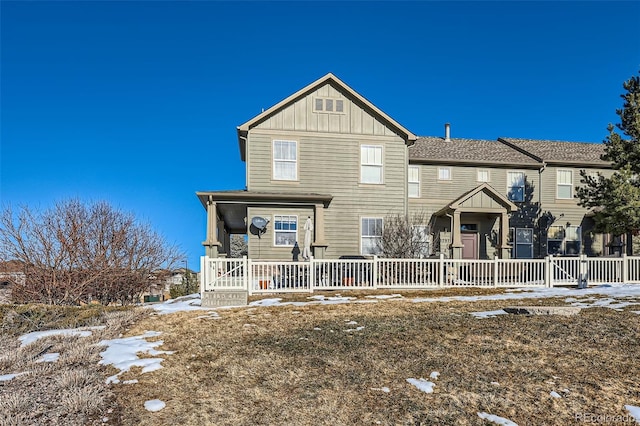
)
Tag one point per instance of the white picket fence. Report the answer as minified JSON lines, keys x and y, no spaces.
{"x":379,"y":273}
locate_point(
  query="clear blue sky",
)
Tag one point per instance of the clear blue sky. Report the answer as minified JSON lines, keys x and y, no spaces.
{"x":137,"y":103}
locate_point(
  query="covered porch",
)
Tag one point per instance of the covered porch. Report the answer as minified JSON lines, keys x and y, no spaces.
{"x":478,"y":224}
{"x":231,"y":212}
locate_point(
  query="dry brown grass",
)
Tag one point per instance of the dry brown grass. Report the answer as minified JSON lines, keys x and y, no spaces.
{"x":272,"y":366}
{"x":70,"y":391}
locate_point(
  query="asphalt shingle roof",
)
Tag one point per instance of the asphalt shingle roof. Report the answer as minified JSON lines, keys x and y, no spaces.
{"x":561,"y":151}
{"x":432,"y":148}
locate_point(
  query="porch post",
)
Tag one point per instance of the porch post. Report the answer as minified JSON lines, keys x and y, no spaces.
{"x":503,"y":246}
{"x":319,"y":244}
{"x":211,"y":244}
{"x":456,"y":236}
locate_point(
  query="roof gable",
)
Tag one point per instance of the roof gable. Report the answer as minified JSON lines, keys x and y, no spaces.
{"x":334,"y":81}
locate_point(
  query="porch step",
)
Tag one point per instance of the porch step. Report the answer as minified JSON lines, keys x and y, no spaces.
{"x":543,"y":310}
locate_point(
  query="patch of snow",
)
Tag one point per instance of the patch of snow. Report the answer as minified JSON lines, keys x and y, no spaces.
{"x":634,"y":411}
{"x":434,"y":375}
{"x":555,"y":394}
{"x":130,"y":382}
{"x":488,"y":314}
{"x":383,"y":389}
{"x":7,"y":377}
{"x":122,"y":354}
{"x":635,"y":312}
{"x":154,"y":405}
{"x":52,"y":357}
{"x":422,"y":384}
{"x":385,"y":296}
{"x":496,"y":419}
{"x":191,"y":302}
{"x":355,"y":329}
{"x":267,"y":302}
{"x":350,"y":322}
{"x":495,"y":383}
{"x":317,"y":328}
{"x":29,"y":338}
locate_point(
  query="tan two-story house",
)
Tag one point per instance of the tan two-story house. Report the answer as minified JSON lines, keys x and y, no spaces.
{"x":327,"y":163}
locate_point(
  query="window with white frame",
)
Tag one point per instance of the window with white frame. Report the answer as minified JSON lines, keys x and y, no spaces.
{"x":572,"y":239}
{"x":515,"y":186}
{"x":521,"y":240}
{"x":371,"y":164}
{"x":285,"y":160}
{"x":371,"y":235}
{"x":483,"y":175}
{"x":565,"y":184}
{"x":444,"y":173}
{"x":414,"y":181}
{"x":555,"y":237}
{"x":285,"y":230}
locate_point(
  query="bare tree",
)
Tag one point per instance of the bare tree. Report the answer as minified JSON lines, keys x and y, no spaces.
{"x":405,"y":236}
{"x":76,"y":252}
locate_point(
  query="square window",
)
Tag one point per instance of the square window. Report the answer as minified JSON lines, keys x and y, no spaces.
{"x":286,"y":230}
{"x":444,"y":173}
{"x":483,"y":176}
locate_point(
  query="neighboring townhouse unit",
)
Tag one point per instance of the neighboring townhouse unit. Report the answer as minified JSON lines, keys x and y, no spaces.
{"x":327,"y":164}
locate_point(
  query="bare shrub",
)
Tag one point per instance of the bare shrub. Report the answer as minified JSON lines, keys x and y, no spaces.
{"x":76,"y":252}
{"x":405,"y":236}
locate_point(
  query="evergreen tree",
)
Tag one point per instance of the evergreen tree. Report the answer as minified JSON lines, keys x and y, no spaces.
{"x":616,"y":200}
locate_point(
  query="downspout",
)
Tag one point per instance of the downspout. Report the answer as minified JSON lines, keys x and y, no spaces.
{"x":542,"y":169}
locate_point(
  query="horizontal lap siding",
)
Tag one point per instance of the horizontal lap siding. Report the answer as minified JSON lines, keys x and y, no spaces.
{"x":329,"y":163}
{"x":264,"y":247}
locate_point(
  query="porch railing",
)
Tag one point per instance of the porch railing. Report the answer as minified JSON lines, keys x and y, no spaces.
{"x":378,"y":273}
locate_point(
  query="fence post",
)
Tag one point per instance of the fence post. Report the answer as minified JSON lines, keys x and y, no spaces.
{"x":203,"y":274}
{"x":495,"y":271}
{"x":548,"y":274}
{"x":442,"y":271}
{"x":625,"y":268}
{"x":374,"y":273}
{"x":312,"y":273}
{"x":246,"y":264}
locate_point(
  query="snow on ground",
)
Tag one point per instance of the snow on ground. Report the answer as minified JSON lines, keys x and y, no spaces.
{"x":382,"y":389}
{"x":496,"y":419}
{"x":52,"y":357}
{"x":154,"y":405}
{"x":179,"y":304}
{"x":488,"y":314}
{"x":634,"y":411}
{"x":422,"y":384}
{"x":122,"y":354}
{"x":7,"y":377}
{"x":555,"y":394}
{"x":29,"y":338}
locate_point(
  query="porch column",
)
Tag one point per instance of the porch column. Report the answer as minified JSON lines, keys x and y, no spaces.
{"x":456,"y":236}
{"x":211,"y":244}
{"x":503,"y":243}
{"x":319,"y":244}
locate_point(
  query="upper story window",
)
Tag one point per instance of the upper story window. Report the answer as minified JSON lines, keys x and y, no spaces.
{"x":328,"y":105}
{"x":414,"y":181}
{"x":564,"y":179}
{"x":371,"y":235}
{"x":515,"y":186}
{"x":286,"y":230}
{"x":483,"y":175}
{"x":371,"y":166}
{"x":444,"y":173}
{"x":285,"y":160}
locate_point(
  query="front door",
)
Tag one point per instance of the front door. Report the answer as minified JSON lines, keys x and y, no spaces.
{"x":470,"y":243}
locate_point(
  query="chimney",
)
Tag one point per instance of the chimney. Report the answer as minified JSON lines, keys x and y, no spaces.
{"x":447,"y":132}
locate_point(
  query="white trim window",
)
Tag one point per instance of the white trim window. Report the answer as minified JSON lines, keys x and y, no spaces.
{"x":285,"y":160}
{"x":483,"y":175}
{"x":285,"y":230}
{"x":371,"y":167}
{"x":564,"y":180}
{"x":555,"y":237}
{"x":414,"y":181}
{"x":515,"y":186}
{"x":444,"y":173}
{"x":371,"y":235}
{"x":572,"y":240}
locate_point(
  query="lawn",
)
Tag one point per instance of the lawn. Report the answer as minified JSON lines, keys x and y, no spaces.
{"x":347,"y":364}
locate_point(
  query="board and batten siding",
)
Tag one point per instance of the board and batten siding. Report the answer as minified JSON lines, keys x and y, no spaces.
{"x":301,"y":117}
